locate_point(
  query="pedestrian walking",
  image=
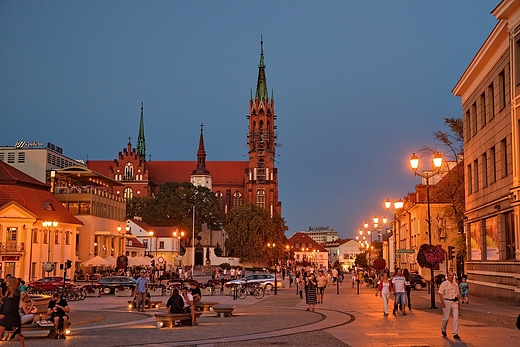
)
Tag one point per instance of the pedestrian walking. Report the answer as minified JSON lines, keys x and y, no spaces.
{"x":399,"y":284}
{"x":140,"y":291}
{"x":408,"y":288}
{"x":449,"y":295}
{"x":464,"y":291}
{"x":384,"y":289}
{"x":311,"y":286}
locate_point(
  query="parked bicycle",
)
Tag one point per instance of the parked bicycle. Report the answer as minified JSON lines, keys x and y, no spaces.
{"x":247,"y":289}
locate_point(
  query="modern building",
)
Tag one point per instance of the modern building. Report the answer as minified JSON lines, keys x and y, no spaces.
{"x":322,"y":234}
{"x":489,"y":90}
{"x":35,"y":159}
{"x":233,"y":182}
{"x":29,"y":248}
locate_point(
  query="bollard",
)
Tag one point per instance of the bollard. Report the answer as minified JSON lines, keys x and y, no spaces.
{"x":357,"y":286}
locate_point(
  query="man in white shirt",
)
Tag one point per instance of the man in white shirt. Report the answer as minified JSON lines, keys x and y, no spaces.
{"x":399,"y":286}
{"x":449,"y":295}
{"x":189,"y":307}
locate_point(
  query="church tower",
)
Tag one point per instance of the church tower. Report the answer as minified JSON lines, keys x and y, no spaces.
{"x":262,"y":176}
{"x":201,"y":176}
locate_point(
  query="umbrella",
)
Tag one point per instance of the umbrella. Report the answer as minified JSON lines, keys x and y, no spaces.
{"x":144,"y":261}
{"x":96,"y":261}
{"x":111,"y":261}
{"x":134,"y":261}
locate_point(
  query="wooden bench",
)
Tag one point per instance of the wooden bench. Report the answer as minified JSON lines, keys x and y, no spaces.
{"x":174,"y":319}
{"x":227,"y":310}
{"x":45,"y":326}
{"x":205,"y":306}
{"x":152,"y":304}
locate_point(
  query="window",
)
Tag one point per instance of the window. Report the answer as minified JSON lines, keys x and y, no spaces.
{"x":220,"y":199}
{"x":56,"y":237}
{"x":10,"y":157}
{"x":67,"y":238}
{"x":2,"y":156}
{"x":128,"y":193}
{"x":475,"y":241}
{"x":237,"y":199}
{"x":510,"y":236}
{"x":491,"y":243}
{"x":492,"y":165}
{"x":491,"y":103}
{"x":260,"y":198}
{"x":46,"y":237}
{"x":129,"y":172}
{"x":502,"y":90}
{"x":503,"y":157}
{"x":161,"y":244}
{"x":21,"y":157}
{"x":470,"y":180}
{"x":484,"y":165}
{"x":517,"y":59}
{"x":468,"y":125}
{"x":35,"y":235}
{"x":475,"y":176}
{"x":483,"y":110}
{"x":145,"y":244}
{"x":473,"y":115}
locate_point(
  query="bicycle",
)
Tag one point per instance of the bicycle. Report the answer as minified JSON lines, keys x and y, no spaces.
{"x":248,"y":289}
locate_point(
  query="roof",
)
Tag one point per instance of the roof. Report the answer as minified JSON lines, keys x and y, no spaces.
{"x":302,"y":238}
{"x":16,"y":186}
{"x":157,"y":231}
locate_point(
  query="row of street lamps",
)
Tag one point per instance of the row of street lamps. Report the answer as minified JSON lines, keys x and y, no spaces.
{"x":398,"y":205}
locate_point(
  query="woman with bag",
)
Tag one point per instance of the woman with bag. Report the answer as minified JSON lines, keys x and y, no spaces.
{"x":311,"y":294}
{"x":384,"y":289}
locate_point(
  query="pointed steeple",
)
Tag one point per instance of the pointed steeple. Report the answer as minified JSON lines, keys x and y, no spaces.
{"x":201,"y":156}
{"x":141,"y":145}
{"x":261,"y":85}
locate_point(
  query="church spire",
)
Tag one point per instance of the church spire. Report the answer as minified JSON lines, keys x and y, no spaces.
{"x":201,"y":156}
{"x":261,"y":85}
{"x":141,"y":145}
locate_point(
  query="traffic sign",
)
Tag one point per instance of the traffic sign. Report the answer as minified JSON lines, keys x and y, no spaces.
{"x":405,"y":251}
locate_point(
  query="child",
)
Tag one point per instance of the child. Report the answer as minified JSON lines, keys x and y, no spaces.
{"x":464,"y":290}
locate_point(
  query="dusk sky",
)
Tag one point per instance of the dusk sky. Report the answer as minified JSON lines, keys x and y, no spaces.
{"x":358,"y":86}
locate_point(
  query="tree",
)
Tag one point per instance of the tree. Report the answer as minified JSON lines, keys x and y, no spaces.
{"x":218,"y":250}
{"x":379,"y":264}
{"x":361,"y":259}
{"x":173,"y":206}
{"x":249,"y":228}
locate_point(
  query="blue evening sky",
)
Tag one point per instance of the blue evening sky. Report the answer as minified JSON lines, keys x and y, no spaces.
{"x":358,"y":86}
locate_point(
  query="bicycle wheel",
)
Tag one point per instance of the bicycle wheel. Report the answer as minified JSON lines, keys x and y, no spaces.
{"x":82,"y":294}
{"x":242,"y":293}
{"x":259,"y":293}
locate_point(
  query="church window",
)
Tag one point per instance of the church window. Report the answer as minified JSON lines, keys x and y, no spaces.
{"x":128,"y":193}
{"x":129,"y":172}
{"x":260,"y":198}
{"x":220,"y":198}
{"x":237,"y":199}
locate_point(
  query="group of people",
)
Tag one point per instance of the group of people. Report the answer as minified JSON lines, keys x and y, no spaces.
{"x":183,"y":301}
{"x":450,"y":293}
{"x":17,"y":309}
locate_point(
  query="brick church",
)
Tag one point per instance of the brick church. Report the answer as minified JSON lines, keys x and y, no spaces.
{"x":233,"y":182}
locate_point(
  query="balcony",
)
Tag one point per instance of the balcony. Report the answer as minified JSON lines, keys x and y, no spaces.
{"x":12,"y":246}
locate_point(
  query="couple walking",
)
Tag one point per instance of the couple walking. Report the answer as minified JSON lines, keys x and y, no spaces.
{"x":397,"y":285}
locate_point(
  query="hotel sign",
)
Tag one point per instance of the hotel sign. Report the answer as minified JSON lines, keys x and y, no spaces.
{"x":24,"y":144}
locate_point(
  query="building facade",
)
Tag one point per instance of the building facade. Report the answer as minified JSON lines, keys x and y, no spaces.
{"x":489,"y":90}
{"x":322,"y":234}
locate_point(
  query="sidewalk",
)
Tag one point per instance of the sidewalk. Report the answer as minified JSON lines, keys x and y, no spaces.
{"x":347,"y":319}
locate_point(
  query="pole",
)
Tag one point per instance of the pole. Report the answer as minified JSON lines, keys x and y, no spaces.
{"x":193,"y":241}
{"x":432,"y":289}
{"x":275,"y":270}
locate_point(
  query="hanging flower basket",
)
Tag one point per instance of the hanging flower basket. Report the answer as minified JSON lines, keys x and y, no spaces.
{"x":430,"y":256}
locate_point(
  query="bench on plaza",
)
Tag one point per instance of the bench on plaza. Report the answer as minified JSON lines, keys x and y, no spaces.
{"x":227,"y":310}
{"x":170,"y":320}
{"x":151,"y":304}
{"x":38,"y":326}
{"x":205,"y":306}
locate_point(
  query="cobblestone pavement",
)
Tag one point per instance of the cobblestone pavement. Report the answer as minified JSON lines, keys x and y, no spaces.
{"x":347,"y":319}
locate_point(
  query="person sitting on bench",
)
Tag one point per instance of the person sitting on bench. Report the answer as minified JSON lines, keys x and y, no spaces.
{"x":26,"y":308}
{"x":175,"y":303}
{"x":189,"y":307}
{"x":58,"y":309}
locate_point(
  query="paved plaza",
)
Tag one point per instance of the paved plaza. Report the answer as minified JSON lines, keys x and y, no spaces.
{"x":345,"y":319}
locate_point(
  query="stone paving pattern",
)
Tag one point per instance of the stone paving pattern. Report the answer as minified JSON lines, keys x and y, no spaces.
{"x":347,"y":319}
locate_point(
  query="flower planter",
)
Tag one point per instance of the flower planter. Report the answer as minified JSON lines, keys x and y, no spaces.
{"x":94,"y":292}
{"x":124,"y":292}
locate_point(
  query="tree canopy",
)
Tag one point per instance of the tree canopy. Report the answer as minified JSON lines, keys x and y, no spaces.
{"x":173,"y":206}
{"x":250,"y":228}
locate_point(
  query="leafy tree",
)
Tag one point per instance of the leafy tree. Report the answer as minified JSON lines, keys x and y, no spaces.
{"x":379,"y":264}
{"x":249,"y":228}
{"x":361,"y":259}
{"x":218,"y":250}
{"x":173,"y":206}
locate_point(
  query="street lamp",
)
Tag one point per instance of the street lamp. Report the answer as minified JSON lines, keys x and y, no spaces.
{"x":151,"y":235}
{"x":273,"y":246}
{"x":377,"y":227}
{"x":397,"y":206}
{"x":437,"y":163}
{"x":51,"y":226}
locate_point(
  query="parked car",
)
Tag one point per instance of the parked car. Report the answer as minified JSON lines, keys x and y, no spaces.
{"x":417,"y":281}
{"x":49,"y":283}
{"x":110,"y":283}
{"x":266,"y":280}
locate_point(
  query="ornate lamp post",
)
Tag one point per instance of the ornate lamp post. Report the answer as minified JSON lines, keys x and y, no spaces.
{"x":50,"y":226}
{"x":397,"y":206}
{"x":437,"y":163}
{"x":273,"y":246}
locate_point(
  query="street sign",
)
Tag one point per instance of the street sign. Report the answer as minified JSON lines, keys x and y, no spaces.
{"x":405,"y":251}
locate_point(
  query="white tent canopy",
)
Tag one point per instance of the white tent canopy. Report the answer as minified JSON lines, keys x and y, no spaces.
{"x":96,"y":261}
